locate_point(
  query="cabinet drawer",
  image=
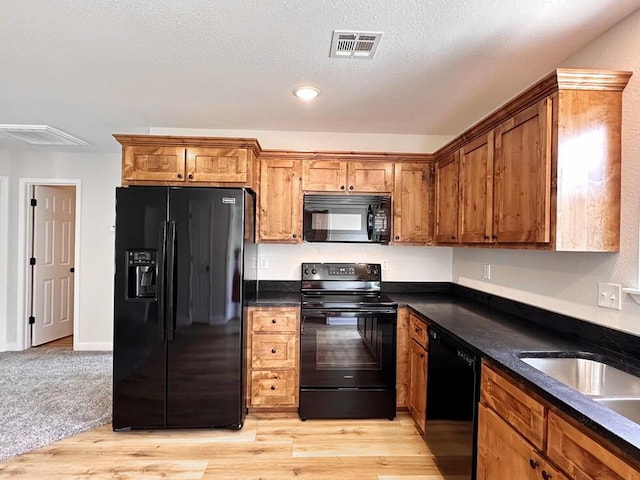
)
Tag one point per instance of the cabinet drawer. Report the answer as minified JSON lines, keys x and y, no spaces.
{"x":269,"y":350}
{"x":581,"y":456}
{"x":273,"y":388}
{"x":525,"y":414}
{"x":418,"y":330}
{"x":279,"y":320}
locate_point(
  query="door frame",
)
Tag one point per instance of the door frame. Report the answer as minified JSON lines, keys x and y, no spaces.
{"x":24,"y":242}
{"x":4,"y":258}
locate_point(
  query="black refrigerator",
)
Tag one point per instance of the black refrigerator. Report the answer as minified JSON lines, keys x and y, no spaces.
{"x":184,"y":264}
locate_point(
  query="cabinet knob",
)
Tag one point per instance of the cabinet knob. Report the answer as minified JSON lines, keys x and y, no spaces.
{"x":273,"y":320}
{"x":533,"y":464}
{"x":494,"y":238}
{"x":341,"y":187}
{"x":191,"y":176}
{"x":273,"y":387}
{"x":295,"y":236}
{"x":486,"y":237}
{"x":546,"y":475}
{"x":397,"y":237}
{"x":273,"y":350}
{"x":179,"y":175}
{"x":350,"y":187}
{"x":453,"y":237}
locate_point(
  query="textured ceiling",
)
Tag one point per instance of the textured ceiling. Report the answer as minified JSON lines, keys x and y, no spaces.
{"x":97,"y":67}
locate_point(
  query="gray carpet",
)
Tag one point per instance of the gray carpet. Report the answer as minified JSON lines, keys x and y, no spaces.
{"x":50,"y":394}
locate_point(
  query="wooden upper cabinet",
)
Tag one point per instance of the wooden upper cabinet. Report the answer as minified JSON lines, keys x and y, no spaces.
{"x":446,"y":193}
{"x":556,"y":155}
{"x":413,"y":203}
{"x":347,"y":176}
{"x":189,"y":161}
{"x":217,"y":165}
{"x":476,"y":191}
{"x":523,"y":176}
{"x":161,"y":164}
{"x":280,"y":200}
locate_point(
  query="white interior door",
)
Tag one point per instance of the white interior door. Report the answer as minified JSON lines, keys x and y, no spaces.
{"x":53,"y":239}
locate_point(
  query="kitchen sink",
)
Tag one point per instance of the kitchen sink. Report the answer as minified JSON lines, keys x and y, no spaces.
{"x":588,"y":374}
{"x":585,"y":373}
{"x":627,"y":407}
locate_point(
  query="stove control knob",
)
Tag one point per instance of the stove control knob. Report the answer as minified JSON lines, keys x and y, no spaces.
{"x":306,"y":271}
{"x":314,"y":271}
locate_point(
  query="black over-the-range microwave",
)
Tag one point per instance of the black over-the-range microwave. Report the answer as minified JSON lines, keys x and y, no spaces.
{"x":347,"y":218}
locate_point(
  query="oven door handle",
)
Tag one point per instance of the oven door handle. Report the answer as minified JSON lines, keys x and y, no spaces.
{"x":347,"y":312}
{"x":369,"y":222}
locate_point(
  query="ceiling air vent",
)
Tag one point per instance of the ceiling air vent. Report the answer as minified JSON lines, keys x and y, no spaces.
{"x":40,"y":135}
{"x":347,"y":44}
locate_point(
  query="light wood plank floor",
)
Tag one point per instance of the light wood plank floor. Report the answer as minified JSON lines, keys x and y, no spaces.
{"x":267,"y":447}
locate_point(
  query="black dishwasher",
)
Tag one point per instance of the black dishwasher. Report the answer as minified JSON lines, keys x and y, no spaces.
{"x":453,"y":388}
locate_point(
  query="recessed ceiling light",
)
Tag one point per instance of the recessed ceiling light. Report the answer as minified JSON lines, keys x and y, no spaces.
{"x":306,"y":93}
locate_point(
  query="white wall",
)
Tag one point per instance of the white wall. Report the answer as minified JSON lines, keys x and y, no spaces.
{"x":567,"y":282}
{"x":98,"y":174}
{"x":405,"y":263}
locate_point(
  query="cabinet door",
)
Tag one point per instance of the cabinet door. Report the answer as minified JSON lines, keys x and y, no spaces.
{"x":582,"y":456}
{"x":159,"y":164}
{"x":476,"y":190}
{"x":412,"y":203}
{"x":503,"y":454}
{"x":417,"y":401}
{"x":217,"y":165}
{"x":522,"y":169}
{"x":402,"y":357}
{"x":280,"y":212}
{"x":446,"y":191}
{"x":324,"y":175}
{"x":370,"y":176}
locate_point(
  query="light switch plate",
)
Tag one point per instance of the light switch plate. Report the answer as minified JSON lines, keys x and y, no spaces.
{"x":610,"y":295}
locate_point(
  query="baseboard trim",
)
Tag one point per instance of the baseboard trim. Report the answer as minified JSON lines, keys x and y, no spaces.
{"x":93,"y":346}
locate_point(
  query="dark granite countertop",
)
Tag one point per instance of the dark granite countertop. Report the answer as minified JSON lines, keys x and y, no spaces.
{"x":275,"y":299}
{"x":502,"y":337}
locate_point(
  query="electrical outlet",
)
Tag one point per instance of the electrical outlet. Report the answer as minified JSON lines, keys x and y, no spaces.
{"x":486,"y":271}
{"x":264,"y":262}
{"x":385,"y":265}
{"x":610,"y":295}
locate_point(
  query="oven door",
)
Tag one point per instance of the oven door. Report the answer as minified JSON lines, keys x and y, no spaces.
{"x":348,"y":349}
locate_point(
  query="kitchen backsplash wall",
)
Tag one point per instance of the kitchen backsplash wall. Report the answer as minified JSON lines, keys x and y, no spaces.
{"x":404,"y":263}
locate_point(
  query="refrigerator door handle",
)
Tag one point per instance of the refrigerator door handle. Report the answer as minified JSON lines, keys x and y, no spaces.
{"x":171,"y":264}
{"x":161,"y":267}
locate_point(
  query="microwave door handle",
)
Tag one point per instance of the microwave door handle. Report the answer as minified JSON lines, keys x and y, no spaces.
{"x":369,"y":222}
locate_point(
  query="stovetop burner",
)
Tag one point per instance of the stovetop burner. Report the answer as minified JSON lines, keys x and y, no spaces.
{"x":343,"y":285}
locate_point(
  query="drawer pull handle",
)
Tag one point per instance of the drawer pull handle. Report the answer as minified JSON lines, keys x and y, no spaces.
{"x":273,"y":320}
{"x":533,"y":464}
{"x":273,"y":350}
{"x":273,"y":387}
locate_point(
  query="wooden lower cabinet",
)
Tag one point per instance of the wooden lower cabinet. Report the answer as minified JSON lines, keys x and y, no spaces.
{"x":583,"y":457}
{"x":522,"y":437}
{"x":272,"y":358}
{"x":505,"y":454}
{"x":417,"y":381}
